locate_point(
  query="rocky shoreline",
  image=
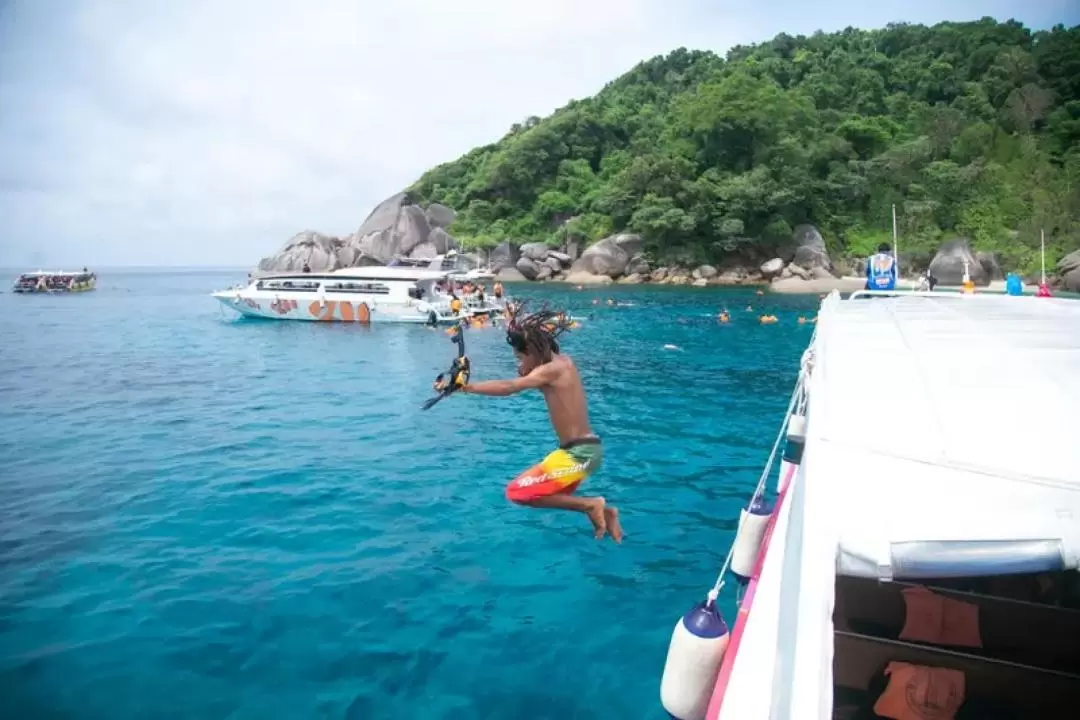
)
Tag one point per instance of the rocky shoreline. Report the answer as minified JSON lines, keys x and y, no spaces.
{"x":399,"y":227}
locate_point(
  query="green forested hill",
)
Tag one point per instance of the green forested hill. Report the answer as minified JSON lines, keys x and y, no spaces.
{"x":971,"y":129}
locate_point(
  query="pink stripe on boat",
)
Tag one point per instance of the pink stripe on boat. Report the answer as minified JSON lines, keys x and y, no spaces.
{"x":744,"y":609}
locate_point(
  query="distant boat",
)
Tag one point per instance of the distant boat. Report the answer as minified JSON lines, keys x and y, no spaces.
{"x":55,"y":281}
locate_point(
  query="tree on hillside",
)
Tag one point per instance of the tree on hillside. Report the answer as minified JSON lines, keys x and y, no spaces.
{"x":969,"y":128}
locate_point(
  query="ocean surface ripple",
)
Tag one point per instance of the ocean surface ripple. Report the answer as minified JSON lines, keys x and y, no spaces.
{"x":214,"y":518}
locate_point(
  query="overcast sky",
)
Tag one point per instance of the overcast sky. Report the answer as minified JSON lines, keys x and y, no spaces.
{"x":207,"y":133}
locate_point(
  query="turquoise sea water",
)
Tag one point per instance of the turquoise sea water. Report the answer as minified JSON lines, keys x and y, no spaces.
{"x":211,"y":518}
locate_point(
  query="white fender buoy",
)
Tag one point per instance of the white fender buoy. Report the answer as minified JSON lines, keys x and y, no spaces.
{"x":797,"y":427}
{"x":694,"y":655}
{"x":752,"y":522}
{"x":796,"y":439}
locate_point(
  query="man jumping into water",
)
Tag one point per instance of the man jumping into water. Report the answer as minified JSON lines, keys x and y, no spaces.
{"x":552,"y":482}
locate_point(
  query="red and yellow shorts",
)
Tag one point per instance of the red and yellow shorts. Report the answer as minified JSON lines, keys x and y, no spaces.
{"x":559,"y":473}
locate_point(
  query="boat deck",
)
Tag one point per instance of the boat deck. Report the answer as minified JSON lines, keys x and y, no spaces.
{"x":930,"y":413}
{"x":941,"y":441}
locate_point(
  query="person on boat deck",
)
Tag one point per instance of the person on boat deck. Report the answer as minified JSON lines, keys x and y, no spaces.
{"x":881,"y":269}
{"x":498,"y":290}
{"x":480,"y":294}
{"x":455,"y":303}
{"x":552,"y":482}
{"x":307,"y":268}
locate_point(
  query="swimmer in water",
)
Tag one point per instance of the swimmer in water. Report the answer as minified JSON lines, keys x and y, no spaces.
{"x":552,"y":482}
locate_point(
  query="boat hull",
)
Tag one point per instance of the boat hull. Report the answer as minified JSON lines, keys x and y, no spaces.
{"x":332,"y":309}
{"x":78,"y":287}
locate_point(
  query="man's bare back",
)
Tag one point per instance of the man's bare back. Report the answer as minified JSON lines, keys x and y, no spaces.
{"x":565,"y":398}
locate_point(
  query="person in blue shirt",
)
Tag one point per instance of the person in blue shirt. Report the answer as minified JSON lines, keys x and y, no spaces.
{"x":881,"y":270}
{"x":1013,"y":284}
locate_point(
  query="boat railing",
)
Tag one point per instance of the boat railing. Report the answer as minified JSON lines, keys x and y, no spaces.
{"x":859,"y":294}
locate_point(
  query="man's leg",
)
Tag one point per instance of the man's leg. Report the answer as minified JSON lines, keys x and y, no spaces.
{"x":604,"y":517}
{"x":550,"y":484}
{"x":593,"y":507}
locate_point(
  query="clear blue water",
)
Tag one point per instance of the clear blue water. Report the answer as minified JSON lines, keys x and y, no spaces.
{"x":209,"y":518}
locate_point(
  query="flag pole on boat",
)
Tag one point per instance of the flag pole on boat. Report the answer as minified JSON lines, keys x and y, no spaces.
{"x":895,"y":245}
{"x":1042,"y":252}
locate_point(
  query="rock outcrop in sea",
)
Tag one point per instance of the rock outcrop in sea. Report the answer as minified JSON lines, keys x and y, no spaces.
{"x":1068,"y":269}
{"x":397,"y":227}
{"x":617,"y":258}
{"x":951,"y":259}
{"x":621,"y":258}
{"x":809,"y":268}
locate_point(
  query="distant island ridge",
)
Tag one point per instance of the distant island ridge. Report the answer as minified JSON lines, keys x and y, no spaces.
{"x":779,"y":163}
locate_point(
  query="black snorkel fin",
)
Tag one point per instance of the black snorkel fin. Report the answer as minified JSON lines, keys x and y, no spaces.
{"x":456,"y":377}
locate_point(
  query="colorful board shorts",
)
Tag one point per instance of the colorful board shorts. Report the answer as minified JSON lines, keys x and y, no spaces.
{"x":559,"y":473}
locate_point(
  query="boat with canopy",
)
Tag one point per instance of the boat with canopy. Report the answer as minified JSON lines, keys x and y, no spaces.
{"x":55,"y":281}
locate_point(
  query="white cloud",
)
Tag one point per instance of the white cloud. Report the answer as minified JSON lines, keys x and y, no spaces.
{"x":209,"y":132}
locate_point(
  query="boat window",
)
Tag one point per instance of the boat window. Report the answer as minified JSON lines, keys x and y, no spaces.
{"x":292,"y":285}
{"x":358,"y":287}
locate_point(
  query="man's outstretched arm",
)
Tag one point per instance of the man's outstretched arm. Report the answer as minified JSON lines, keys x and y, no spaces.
{"x":538,"y":378}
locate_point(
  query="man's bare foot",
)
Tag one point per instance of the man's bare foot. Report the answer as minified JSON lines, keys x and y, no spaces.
{"x":611,"y":519}
{"x":597,"y":516}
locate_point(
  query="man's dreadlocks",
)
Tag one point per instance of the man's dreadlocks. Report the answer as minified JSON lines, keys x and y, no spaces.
{"x":535,"y":334}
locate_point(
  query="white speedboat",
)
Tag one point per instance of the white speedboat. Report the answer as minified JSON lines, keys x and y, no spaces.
{"x":451,"y":262}
{"x":476,"y":275}
{"x":918,"y":555}
{"x":364,"y":295}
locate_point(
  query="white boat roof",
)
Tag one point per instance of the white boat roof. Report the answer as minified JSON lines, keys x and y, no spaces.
{"x":51,"y":273}
{"x":932,"y":416}
{"x":375,"y":272}
{"x":392,"y":273}
{"x":942,"y":440}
